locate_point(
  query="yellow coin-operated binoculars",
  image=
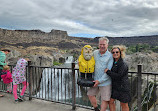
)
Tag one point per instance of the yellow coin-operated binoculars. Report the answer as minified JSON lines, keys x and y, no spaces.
{"x":86,"y":64}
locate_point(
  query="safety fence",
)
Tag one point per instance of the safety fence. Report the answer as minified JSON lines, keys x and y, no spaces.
{"x":60,"y":85}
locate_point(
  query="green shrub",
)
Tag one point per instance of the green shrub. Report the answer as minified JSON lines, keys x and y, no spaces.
{"x":56,"y":63}
{"x":141,"y":48}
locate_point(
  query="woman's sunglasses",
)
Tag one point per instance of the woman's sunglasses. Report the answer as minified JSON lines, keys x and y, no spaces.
{"x":115,"y":52}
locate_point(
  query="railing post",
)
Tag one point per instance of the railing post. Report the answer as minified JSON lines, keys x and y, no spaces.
{"x":139,"y":87}
{"x":73,"y":87}
{"x":29,"y":79}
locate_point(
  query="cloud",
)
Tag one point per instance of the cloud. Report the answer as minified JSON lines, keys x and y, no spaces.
{"x":98,"y":17}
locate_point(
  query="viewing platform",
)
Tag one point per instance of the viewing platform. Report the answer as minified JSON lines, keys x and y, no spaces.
{"x":7,"y":103}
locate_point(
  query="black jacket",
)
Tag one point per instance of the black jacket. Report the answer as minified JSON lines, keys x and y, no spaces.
{"x":119,"y":76}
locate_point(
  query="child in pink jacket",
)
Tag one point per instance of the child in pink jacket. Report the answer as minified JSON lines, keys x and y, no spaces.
{"x":7,"y":78}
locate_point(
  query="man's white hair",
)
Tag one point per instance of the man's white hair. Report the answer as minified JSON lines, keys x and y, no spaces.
{"x":104,"y":38}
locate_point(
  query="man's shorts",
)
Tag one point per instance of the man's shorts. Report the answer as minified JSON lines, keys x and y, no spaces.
{"x":105,"y":92}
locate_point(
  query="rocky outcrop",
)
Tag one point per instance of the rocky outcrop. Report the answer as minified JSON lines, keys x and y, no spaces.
{"x":19,"y":36}
{"x":38,"y":60}
{"x":148,"y":60}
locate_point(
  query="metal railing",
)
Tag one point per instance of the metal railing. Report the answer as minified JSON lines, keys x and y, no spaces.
{"x":59,"y":85}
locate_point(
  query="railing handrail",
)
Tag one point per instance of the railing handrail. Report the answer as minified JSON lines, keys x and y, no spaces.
{"x":151,"y":73}
{"x":139,"y":74}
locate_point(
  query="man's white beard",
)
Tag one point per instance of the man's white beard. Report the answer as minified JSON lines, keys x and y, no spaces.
{"x":87,"y":56}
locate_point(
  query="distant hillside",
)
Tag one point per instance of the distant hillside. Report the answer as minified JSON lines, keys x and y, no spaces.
{"x":57,"y":44}
{"x":151,"y":40}
{"x":28,"y":36}
{"x":60,"y":39}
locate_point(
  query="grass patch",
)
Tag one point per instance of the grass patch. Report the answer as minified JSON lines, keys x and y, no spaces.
{"x":55,"y":63}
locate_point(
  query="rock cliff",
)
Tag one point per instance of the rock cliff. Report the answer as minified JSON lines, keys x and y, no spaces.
{"x":57,"y":44}
{"x":28,"y":36}
{"x":147,"y":60}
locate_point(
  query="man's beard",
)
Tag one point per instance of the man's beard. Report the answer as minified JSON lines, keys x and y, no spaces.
{"x":87,"y":56}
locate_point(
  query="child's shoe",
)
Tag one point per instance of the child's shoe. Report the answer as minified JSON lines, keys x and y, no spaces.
{"x":18,"y":100}
{"x":9,"y":92}
{"x":22,"y":98}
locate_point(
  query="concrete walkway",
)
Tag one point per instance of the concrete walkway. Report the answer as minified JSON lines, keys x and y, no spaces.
{"x":7,"y":104}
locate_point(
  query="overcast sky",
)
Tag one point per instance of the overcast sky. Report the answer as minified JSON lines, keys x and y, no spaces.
{"x":84,"y":18}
